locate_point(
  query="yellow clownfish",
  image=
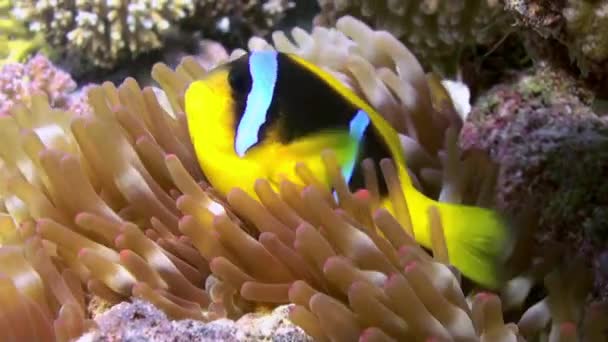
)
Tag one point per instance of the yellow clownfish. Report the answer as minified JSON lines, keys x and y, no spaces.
{"x":259,"y":115}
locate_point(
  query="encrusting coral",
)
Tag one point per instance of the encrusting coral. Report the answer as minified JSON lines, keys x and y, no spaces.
{"x":112,"y":203}
{"x":20,"y":81}
{"x":435,"y":30}
{"x":105,"y":33}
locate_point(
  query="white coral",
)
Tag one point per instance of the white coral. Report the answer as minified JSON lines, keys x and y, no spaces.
{"x":104,"y":30}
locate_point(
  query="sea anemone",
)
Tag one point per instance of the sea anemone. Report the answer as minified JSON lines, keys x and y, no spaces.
{"x":111,"y":202}
{"x":435,"y":30}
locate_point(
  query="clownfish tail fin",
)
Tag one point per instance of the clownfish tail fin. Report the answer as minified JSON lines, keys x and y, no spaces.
{"x":479,"y":241}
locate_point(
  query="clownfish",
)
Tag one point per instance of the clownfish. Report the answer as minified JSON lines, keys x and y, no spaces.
{"x":259,"y":115}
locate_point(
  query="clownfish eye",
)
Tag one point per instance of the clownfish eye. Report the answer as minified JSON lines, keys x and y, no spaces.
{"x":240,"y":79}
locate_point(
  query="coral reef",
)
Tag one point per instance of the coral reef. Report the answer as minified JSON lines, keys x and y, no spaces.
{"x":19,"y":82}
{"x":579,"y":25}
{"x":112,"y":203}
{"x":106,"y":33}
{"x":435,"y":30}
{"x":554,"y":152}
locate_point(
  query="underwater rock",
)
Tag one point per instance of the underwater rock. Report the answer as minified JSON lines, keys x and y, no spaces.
{"x":566,"y":31}
{"x":141,"y":321}
{"x":554,"y":155}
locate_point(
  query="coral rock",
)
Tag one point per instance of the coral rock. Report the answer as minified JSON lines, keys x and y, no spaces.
{"x":554,"y":153}
{"x":141,"y":321}
{"x":570,"y":30}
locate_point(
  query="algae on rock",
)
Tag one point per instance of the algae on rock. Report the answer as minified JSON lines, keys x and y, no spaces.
{"x":554,"y":152}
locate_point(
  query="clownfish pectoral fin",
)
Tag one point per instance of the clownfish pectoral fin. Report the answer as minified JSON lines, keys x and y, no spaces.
{"x":308,"y":151}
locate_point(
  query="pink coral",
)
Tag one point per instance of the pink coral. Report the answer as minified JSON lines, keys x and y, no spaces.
{"x":19,"y":81}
